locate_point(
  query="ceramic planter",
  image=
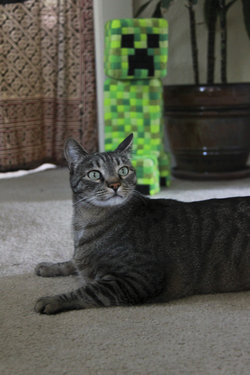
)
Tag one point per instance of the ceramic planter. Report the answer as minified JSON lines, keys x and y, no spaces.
{"x":208,"y":128}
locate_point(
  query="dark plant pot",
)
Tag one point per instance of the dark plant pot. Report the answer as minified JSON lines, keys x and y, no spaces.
{"x":208,"y":128}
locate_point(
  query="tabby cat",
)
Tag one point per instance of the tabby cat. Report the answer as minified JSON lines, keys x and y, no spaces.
{"x":130,"y":249}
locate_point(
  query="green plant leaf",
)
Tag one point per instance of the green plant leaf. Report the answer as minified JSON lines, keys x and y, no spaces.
{"x":246,"y":15}
{"x":141,"y":8}
{"x":157,"y":12}
{"x":166,"y":3}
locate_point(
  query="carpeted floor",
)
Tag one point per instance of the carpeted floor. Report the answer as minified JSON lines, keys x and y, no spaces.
{"x":197,"y":335}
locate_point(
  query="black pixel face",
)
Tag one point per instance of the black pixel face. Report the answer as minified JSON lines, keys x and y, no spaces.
{"x":153,"y":40}
{"x":128,"y":41}
{"x":141,"y":59}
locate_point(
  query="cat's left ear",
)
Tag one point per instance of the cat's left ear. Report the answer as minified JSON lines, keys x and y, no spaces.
{"x":74,"y":152}
{"x":126,"y":145}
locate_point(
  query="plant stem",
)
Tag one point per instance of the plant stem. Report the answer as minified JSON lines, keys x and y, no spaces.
{"x":193,"y":41}
{"x":211,"y":40}
{"x":223,"y":30}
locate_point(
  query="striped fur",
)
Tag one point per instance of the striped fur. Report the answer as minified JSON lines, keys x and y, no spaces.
{"x":130,"y":249}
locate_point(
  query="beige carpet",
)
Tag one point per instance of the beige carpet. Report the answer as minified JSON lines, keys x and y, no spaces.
{"x":196,"y":335}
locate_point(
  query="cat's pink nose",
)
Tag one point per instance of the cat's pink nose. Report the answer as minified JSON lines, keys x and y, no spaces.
{"x":115,"y":186}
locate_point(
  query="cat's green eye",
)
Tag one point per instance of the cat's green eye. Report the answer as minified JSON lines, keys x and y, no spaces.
{"x":94,"y":175}
{"x":123,"y":171}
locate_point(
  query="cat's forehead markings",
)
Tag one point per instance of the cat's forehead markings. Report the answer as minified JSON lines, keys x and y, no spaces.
{"x":92,"y":165}
{"x":98,"y":164}
{"x":109,"y":157}
{"x":102,"y":158}
{"x":106,"y":157}
{"x":106,"y":160}
{"x":117,"y":161}
{"x":97,"y":161}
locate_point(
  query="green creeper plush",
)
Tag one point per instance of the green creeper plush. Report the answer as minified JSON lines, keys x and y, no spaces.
{"x":135,"y":60}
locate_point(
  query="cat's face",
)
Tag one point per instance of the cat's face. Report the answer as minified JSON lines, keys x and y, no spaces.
{"x":101,"y":179}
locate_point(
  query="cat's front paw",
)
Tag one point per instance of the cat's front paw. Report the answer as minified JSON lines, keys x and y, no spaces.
{"x":48,"y":305}
{"x":44,"y":269}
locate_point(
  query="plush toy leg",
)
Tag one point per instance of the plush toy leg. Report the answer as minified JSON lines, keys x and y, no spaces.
{"x":147,"y":172}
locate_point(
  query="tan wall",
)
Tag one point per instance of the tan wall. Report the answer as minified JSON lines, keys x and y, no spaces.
{"x":180,"y":62}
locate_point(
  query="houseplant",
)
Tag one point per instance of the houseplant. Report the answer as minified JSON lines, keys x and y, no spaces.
{"x":208,"y":124}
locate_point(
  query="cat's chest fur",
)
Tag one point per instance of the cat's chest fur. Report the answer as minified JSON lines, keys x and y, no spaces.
{"x":97,"y":233}
{"x":93,"y":224}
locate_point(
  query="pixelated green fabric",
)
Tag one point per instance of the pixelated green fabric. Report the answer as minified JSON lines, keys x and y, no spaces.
{"x":135,"y":59}
{"x":136,"y":107}
{"x":137,"y":38}
{"x":147,"y":171}
{"x":133,"y":107}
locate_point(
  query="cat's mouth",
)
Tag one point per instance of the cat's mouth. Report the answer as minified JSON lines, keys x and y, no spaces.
{"x":113,"y":200}
{"x":115,"y":196}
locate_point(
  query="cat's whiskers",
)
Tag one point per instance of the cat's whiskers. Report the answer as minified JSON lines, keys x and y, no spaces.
{"x":80,"y":200}
{"x":84,"y":199}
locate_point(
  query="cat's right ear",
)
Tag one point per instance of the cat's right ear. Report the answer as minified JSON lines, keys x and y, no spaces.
{"x":126,"y":145}
{"x":74,"y":152}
